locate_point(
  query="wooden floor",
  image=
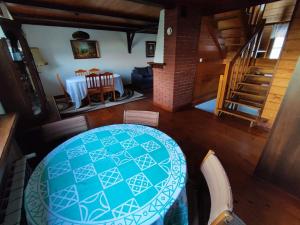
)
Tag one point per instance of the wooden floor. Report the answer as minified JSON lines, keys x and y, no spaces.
{"x":238,"y":147}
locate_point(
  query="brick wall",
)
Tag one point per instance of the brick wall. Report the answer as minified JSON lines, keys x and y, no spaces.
{"x":174,"y":83}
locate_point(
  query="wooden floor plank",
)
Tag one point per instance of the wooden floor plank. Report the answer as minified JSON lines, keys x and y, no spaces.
{"x":239,"y":147}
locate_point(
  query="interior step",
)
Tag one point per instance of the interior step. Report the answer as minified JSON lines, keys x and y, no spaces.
{"x":237,"y":32}
{"x":262,"y":69}
{"x":238,"y":40}
{"x":250,"y":94}
{"x":254,"y":84}
{"x":234,"y":44}
{"x":240,"y":114}
{"x":265,"y":75}
{"x":224,"y":15}
{"x":229,"y":28}
{"x":253,"y":105}
{"x":227,"y":17}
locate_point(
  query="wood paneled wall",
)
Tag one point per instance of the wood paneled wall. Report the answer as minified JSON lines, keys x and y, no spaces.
{"x":285,"y":68}
{"x":279,"y":11}
{"x":208,"y":71}
{"x":207,"y":80}
{"x":207,"y":48}
{"x":280,"y":161}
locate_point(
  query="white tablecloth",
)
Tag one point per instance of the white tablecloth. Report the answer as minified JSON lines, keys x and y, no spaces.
{"x":76,"y":88}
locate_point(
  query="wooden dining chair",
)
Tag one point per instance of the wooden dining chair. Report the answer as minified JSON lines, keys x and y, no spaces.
{"x":94,"y":71}
{"x":62,"y":86}
{"x":107,"y":85}
{"x":221,"y":200}
{"x":81,"y":72}
{"x":65,"y":128}
{"x":148,"y":118}
{"x":93,"y":85}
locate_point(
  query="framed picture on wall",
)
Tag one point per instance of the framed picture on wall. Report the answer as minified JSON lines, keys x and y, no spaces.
{"x":150,"y":48}
{"x":83,"y":49}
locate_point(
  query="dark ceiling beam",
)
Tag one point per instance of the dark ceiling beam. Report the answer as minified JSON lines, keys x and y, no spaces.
{"x":159,"y":3}
{"x":208,"y":8}
{"x":79,"y":20}
{"x":76,"y":9}
{"x":59,"y":23}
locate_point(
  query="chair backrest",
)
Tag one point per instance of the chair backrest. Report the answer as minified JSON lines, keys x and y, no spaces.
{"x":92,"y":81}
{"x":94,"y":71}
{"x":81,"y":72}
{"x":64,"y":128}
{"x":107,"y":79}
{"x":148,"y":118}
{"x":219,"y":189}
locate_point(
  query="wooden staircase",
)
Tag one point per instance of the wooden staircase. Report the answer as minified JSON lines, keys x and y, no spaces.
{"x":232,"y":29}
{"x":246,"y":100}
{"x":235,"y":27}
{"x":244,"y":87}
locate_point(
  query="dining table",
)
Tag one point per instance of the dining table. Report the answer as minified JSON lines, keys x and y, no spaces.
{"x":77,"y":89}
{"x":118,"y":174}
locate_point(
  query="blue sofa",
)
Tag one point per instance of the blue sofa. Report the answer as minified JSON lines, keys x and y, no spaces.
{"x":142,"y":78}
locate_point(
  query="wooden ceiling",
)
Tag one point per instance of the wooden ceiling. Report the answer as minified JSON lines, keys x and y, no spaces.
{"x":280,"y":11}
{"x":118,"y":15}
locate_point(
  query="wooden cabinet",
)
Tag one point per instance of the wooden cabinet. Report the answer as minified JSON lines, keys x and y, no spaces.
{"x":21,"y":90}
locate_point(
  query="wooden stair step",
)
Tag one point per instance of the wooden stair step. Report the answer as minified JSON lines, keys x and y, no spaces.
{"x":223,"y":15}
{"x":259,"y":102}
{"x":264,"y":75}
{"x":263,"y":69}
{"x":240,"y":114}
{"x":233,"y":38}
{"x":252,"y":102}
{"x":254,"y":84}
{"x":236,"y":36}
{"x":228,"y":17}
{"x":230,"y":32}
{"x":250,"y":94}
{"x":253,"y":105}
{"x":229,"y":41}
{"x":234,"y":44}
{"x":229,"y":28}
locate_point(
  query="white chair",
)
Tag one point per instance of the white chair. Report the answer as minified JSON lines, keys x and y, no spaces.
{"x":148,"y":118}
{"x":221,"y":211}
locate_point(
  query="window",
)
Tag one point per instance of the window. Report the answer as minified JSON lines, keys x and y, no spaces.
{"x":278,"y":34}
{"x":276,"y":48}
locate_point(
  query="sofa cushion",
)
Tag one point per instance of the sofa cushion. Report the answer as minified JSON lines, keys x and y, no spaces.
{"x":150,"y":71}
{"x":144,"y":71}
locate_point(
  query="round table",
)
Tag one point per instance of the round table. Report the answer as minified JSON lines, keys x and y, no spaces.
{"x":76,"y":88}
{"x":118,"y":174}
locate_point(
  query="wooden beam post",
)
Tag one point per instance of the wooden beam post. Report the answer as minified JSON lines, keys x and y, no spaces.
{"x":130,"y":37}
{"x":280,"y":160}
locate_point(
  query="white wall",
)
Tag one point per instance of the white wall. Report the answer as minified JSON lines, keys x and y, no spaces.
{"x":160,"y":39}
{"x":54,"y":44}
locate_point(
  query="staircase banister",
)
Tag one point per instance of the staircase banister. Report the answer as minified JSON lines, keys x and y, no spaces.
{"x":258,"y":29}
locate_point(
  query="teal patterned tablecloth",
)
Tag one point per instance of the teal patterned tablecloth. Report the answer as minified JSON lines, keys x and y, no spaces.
{"x":118,"y":174}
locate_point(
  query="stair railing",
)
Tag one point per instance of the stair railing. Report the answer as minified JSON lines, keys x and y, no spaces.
{"x":238,"y":66}
{"x":255,"y":16}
